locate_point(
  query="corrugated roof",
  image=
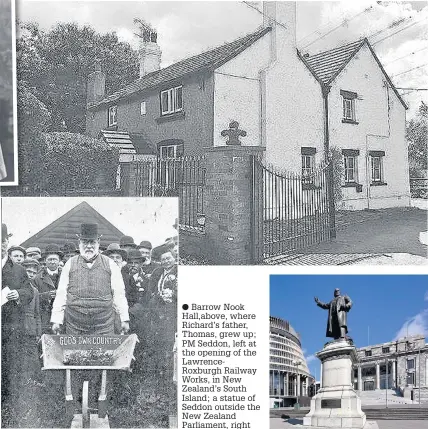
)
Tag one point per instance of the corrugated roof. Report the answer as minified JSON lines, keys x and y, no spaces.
{"x":118,"y":140}
{"x":67,"y":226}
{"x":328,"y":64}
{"x":209,"y":60}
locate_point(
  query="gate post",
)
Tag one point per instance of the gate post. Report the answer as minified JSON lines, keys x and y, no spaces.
{"x":229,"y":204}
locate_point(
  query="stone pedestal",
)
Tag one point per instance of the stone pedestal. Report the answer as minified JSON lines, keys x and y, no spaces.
{"x":337,"y":404}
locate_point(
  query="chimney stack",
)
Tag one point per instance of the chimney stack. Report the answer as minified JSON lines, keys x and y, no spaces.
{"x":96,"y":86}
{"x":149,"y":52}
{"x":281,"y":16}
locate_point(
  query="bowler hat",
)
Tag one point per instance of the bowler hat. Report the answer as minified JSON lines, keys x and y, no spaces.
{"x":52,"y":249}
{"x":28,"y":262}
{"x":115,"y":248}
{"x":35,"y":251}
{"x":69,"y":247}
{"x":135,"y":254}
{"x":160,"y":250}
{"x":89,"y":231}
{"x":4,"y":234}
{"x":12,"y":248}
{"x":127,"y":240}
{"x":145,"y":245}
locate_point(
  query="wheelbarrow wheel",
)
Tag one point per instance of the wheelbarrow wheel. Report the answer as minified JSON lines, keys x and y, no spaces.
{"x":85,"y":405}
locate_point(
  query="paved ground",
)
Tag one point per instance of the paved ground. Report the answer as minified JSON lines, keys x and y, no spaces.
{"x":276,"y":423}
{"x":375,"y":237}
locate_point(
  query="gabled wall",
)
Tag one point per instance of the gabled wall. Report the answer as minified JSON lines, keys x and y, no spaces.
{"x":194,"y":128}
{"x":378,"y":129}
{"x":237,"y":93}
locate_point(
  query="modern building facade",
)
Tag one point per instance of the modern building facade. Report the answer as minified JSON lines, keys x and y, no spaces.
{"x":289,"y":376}
{"x":401,"y":364}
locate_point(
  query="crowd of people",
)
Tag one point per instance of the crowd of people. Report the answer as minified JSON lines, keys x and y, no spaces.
{"x":87,"y":290}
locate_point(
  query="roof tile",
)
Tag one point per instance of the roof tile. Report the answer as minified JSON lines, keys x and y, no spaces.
{"x":205,"y":61}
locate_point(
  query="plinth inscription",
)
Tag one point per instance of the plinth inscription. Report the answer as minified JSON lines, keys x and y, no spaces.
{"x":331,"y":403}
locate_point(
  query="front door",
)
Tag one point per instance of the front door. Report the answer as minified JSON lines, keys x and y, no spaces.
{"x":369,"y":385}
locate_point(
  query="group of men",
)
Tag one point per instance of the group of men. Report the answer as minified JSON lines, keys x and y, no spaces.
{"x":86,"y":290}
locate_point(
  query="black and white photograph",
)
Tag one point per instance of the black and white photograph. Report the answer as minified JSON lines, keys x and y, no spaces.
{"x":293,"y":133}
{"x":89,"y":312}
{"x":8,"y":142}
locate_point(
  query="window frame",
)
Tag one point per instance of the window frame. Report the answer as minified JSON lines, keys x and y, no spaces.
{"x":112,"y":118}
{"x":413,"y":361}
{"x":354,"y":169}
{"x":386,"y":350}
{"x":367,"y":353}
{"x":172,"y":98}
{"x":349,"y":107}
{"x":377,"y":171}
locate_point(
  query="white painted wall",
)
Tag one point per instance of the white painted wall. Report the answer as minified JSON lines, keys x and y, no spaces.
{"x":238,"y":98}
{"x":376,"y":130}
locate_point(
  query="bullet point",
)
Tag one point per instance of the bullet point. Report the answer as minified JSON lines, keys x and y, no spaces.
{"x":185,"y":307}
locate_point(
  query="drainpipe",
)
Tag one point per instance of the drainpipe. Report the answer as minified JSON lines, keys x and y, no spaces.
{"x":330,"y":179}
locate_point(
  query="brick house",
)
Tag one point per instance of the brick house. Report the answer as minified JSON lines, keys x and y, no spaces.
{"x":293,"y":104}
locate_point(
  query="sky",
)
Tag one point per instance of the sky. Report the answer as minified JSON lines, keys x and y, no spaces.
{"x":385,"y":308}
{"x":149,"y":219}
{"x":188,"y":28}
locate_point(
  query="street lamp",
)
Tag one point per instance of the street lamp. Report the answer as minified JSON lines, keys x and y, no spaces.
{"x":296,"y":363}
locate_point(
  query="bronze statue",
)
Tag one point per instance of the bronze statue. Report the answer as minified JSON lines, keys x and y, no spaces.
{"x":337,"y":314}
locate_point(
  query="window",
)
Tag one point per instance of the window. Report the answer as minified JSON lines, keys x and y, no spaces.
{"x":171,"y":151}
{"x":308,"y":164}
{"x":172,"y":100}
{"x":350,"y":162}
{"x":411,"y":378}
{"x":410,"y":364}
{"x":143,"y":108}
{"x":348,"y":101}
{"x":112,"y":116}
{"x":368,"y":353}
{"x":385,"y":350}
{"x":376,"y":162}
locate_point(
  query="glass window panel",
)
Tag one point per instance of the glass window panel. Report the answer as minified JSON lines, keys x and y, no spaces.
{"x":178,"y":98}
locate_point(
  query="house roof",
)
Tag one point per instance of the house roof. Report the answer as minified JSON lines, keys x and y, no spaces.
{"x":118,"y":140}
{"x":67,"y":226}
{"x":205,"y":61}
{"x":327,"y":65}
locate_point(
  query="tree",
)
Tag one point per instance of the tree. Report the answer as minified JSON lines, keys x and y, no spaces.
{"x":416,"y":134}
{"x":58,"y":162}
{"x":56,"y":65}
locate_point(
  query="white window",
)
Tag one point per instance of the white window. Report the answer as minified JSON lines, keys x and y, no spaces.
{"x":143,"y":110}
{"x":112,"y":116}
{"x":351,"y":169}
{"x":172,"y":100}
{"x":171,"y":151}
{"x":377,"y":168}
{"x":308,"y":162}
{"x":348,"y":103}
{"x":349,"y":109}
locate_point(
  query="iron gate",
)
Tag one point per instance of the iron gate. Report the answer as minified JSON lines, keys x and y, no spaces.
{"x":176,"y":177}
{"x":289,"y":211}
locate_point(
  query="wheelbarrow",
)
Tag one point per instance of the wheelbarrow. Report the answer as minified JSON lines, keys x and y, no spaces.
{"x":83,"y":353}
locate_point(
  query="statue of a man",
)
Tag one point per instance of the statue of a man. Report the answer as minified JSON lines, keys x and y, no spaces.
{"x":337,"y":314}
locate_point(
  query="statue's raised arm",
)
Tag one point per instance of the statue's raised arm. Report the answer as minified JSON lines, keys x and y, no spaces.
{"x":322,"y":304}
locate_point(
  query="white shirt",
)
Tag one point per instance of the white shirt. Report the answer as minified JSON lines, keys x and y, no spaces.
{"x":120,"y":304}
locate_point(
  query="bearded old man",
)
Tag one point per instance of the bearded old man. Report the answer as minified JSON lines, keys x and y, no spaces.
{"x":338,"y":308}
{"x":90,"y":291}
